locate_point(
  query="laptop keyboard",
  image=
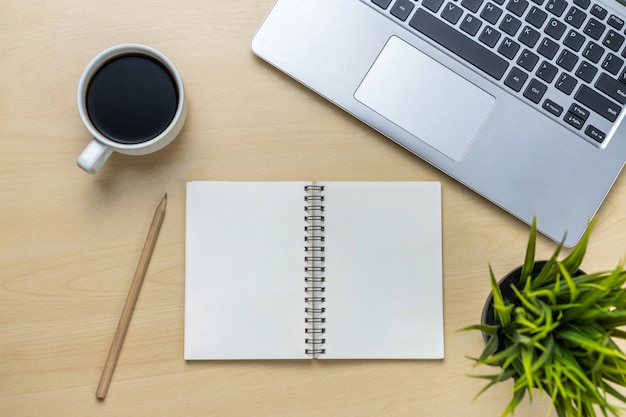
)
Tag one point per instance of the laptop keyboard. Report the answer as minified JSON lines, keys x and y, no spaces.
{"x":565,"y":58}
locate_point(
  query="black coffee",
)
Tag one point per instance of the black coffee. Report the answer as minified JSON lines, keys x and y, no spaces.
{"x":132,"y":99}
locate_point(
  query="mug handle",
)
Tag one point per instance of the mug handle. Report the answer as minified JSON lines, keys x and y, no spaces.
{"x":94,"y":156}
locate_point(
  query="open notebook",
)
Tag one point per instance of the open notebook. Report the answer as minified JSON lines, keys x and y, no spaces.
{"x":329,"y":270}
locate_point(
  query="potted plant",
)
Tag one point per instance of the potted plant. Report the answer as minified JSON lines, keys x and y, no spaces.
{"x":549,"y":327}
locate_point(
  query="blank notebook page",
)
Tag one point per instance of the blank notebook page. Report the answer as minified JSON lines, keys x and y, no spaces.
{"x":244,"y":285}
{"x":383,"y":270}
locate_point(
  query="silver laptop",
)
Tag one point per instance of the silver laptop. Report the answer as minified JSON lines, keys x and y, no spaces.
{"x":520,"y":100}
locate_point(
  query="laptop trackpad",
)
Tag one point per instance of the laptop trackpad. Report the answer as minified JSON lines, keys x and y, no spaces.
{"x":425,"y":98}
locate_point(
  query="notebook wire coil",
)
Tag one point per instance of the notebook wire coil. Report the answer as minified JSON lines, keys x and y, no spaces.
{"x":314,"y":270}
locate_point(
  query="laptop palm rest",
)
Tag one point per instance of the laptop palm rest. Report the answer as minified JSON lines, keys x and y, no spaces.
{"x":426,"y":99}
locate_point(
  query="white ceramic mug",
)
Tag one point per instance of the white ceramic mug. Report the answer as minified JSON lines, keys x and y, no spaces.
{"x":126,"y":100}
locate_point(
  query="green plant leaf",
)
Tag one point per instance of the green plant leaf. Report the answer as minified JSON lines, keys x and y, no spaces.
{"x":545,"y":293}
{"x":576,"y":337}
{"x":572,"y":371}
{"x":558,"y":390}
{"x":560,"y":410}
{"x":570,"y":283}
{"x":545,"y":356}
{"x":546,"y":274}
{"x":517,"y":398}
{"x":488,"y":329}
{"x":595,"y":292}
{"x":621,"y":334}
{"x":573,"y":261}
{"x":529,"y":258}
{"x":494,"y":379}
{"x":599,"y":363}
{"x":499,"y":357}
{"x":490,"y":348}
{"x":508,"y":362}
{"x":525,"y":326}
{"x":615,"y":393}
{"x":502,"y":311}
{"x":527,"y":363}
{"x":525,"y":301}
{"x":548,"y":325}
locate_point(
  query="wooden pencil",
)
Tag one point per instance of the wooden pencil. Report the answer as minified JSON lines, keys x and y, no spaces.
{"x":131,"y":299}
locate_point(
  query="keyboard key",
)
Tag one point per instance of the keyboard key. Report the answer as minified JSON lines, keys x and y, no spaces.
{"x":489,"y":36}
{"x":598,"y":103}
{"x":595,"y":133}
{"x":556,"y":7}
{"x":432,"y":5}
{"x":586,"y":71}
{"x":470,"y":24}
{"x":527,"y":60}
{"x":583,"y":4}
{"x":567,"y":60}
{"x":452,"y":13}
{"x":574,"y":40}
{"x":575,"y":17}
{"x":536,"y":17}
{"x":516,"y":79}
{"x":382,"y":3}
{"x":598,"y":11}
{"x":510,"y":25}
{"x":517,"y":7}
{"x":472,"y":5}
{"x":459,"y":44}
{"x":594,"y":28}
{"x":491,"y":13}
{"x":574,"y":120}
{"x":612,"y":63}
{"x":547,"y":71}
{"x":612,"y":88}
{"x":529,"y":36}
{"x":593,"y":52}
{"x":613,"y":40}
{"x":578,"y":110}
{"x":535,"y":91}
{"x":402,"y":8}
{"x":616,"y":22}
{"x":552,"y":107}
{"x":548,"y":48}
{"x":566,"y":83}
{"x":508,"y":48}
{"x":555,"y":29}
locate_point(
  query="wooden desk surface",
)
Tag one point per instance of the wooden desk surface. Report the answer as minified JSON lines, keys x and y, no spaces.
{"x":70,"y":241}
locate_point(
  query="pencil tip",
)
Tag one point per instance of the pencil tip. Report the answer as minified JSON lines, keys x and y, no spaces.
{"x":165,"y":196}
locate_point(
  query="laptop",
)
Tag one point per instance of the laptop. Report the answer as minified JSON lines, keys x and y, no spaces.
{"x":522,"y":101}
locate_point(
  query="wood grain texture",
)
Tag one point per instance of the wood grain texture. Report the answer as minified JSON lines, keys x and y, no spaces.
{"x":70,"y":241}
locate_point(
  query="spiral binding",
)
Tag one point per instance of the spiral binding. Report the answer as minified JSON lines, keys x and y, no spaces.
{"x":314,"y":270}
